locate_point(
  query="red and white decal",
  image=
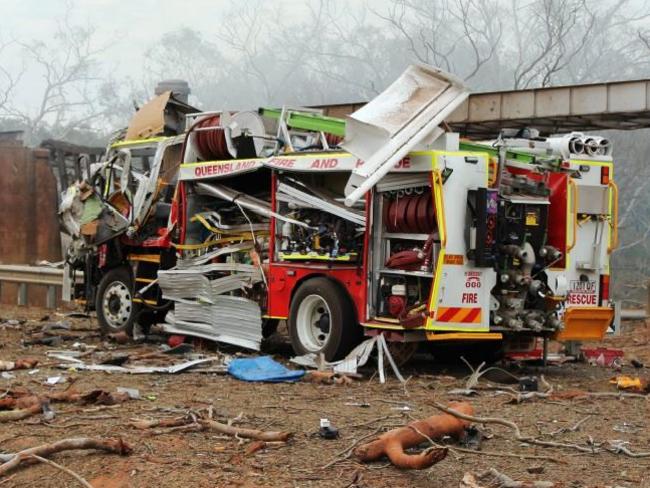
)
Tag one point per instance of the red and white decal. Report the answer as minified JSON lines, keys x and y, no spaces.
{"x":472,"y":279}
{"x":215,"y":169}
{"x":320,"y":162}
{"x":311,"y":163}
{"x":583,"y":293}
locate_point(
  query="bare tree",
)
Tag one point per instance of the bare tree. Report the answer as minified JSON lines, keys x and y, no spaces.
{"x":8,"y":80}
{"x":66,"y":100}
{"x":548,"y":35}
{"x":188,"y":55}
{"x":460,"y":36}
{"x":269,"y":58}
{"x":571,"y":40}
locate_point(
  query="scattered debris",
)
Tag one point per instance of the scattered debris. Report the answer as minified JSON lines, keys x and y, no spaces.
{"x":102,"y":397}
{"x":176,"y":368}
{"x":196,"y":423}
{"x":120,"y":337}
{"x":327,"y":431}
{"x":19,"y":414}
{"x":330,"y":378}
{"x":627,"y":427}
{"x":255,"y":446}
{"x":528,"y":383}
{"x":592,"y":448}
{"x":60,"y":325}
{"x":27,"y":363}
{"x":356,"y":358}
{"x":262,"y":368}
{"x":493,"y":479}
{"x":43,"y":341}
{"x":394,"y":443}
{"x":21,"y":403}
{"x":603,"y":356}
{"x":133,"y":393}
{"x":636,"y":384}
{"x":636,"y":363}
{"x":62,"y":468}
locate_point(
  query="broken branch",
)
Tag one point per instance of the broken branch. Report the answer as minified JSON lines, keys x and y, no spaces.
{"x":532,"y":440}
{"x":64,"y":469}
{"x":260,"y":435}
{"x":149,"y":424}
{"x":117,"y":446}
{"x":23,"y":413}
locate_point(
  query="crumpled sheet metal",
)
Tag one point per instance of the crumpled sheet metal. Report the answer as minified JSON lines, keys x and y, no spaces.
{"x":201,"y":307}
{"x":233,"y":320}
{"x":196,"y":286}
{"x":109,"y":368}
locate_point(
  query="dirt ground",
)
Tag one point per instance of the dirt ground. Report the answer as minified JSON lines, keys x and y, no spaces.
{"x":162,"y":458}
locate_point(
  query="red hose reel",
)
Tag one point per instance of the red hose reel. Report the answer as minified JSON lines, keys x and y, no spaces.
{"x":410,"y":214}
{"x":211,"y":144}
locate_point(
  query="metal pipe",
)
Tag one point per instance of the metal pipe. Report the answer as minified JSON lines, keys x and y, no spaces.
{"x":250,"y":203}
{"x":633,"y":314}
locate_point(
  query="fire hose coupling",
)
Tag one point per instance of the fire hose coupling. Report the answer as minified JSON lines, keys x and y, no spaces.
{"x":514,"y":251}
{"x":413,"y":259}
{"x":514,"y":323}
{"x":536,"y":287}
{"x":514,"y":276}
{"x":550,"y":253}
{"x":554,"y":322}
{"x":525,"y":254}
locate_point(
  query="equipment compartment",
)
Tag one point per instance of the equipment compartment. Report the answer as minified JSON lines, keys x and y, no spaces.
{"x":318,"y":226}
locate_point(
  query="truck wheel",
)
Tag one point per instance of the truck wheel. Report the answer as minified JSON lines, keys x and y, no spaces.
{"x":114,"y":303}
{"x":322,"y":319}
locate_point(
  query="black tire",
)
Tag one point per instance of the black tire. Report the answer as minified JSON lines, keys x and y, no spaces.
{"x":334,"y":336}
{"x":116,"y":311}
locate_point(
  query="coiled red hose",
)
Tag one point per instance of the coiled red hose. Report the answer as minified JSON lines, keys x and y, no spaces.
{"x":333,"y":140}
{"x":211,"y":144}
{"x":410,"y":214}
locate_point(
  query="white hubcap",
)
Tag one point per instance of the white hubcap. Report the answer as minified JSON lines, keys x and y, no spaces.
{"x":116,"y":304}
{"x":313,"y":323}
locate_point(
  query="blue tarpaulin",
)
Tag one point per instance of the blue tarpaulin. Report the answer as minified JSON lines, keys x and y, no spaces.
{"x":262,"y":368}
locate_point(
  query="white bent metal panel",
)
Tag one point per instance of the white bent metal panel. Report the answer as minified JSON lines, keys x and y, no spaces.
{"x":387,"y":128}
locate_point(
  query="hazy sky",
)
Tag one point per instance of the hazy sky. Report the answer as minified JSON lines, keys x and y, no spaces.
{"x":125,"y":27}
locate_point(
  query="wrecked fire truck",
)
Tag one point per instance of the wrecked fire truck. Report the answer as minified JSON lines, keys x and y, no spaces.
{"x":384,"y":223}
{"x":116,"y":221}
